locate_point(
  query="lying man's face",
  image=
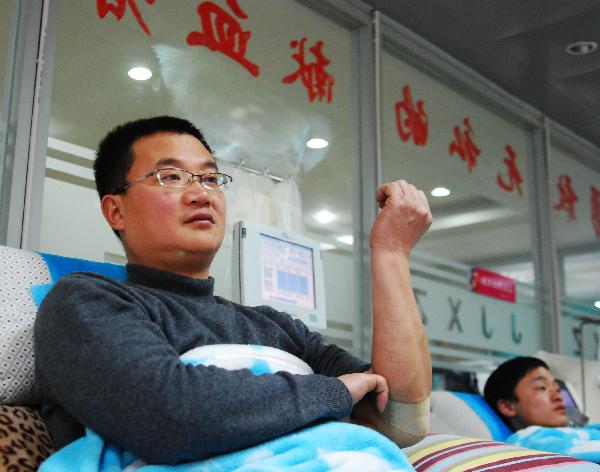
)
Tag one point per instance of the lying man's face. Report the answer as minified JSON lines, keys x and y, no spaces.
{"x":539,"y":401}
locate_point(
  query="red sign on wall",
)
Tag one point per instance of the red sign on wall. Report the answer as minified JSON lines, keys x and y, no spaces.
{"x":493,"y":285}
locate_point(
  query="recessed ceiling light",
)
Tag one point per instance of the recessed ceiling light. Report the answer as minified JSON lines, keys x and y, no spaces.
{"x":317,"y":143}
{"x":580,"y":48}
{"x":597,"y":304}
{"x":139,"y":73}
{"x":346,"y":239}
{"x":324,"y":217}
{"x":440,"y":192}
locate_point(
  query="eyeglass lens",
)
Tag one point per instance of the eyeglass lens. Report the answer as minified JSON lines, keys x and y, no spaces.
{"x":183,"y":178}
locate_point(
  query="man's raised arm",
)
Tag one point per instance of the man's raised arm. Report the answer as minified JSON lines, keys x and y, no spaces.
{"x":399,"y":352}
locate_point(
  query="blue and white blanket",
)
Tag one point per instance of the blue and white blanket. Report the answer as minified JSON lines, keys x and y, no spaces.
{"x":583,"y":443}
{"x":336,"y":446}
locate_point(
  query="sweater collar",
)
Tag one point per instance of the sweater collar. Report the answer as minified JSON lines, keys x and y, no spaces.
{"x":162,"y":279}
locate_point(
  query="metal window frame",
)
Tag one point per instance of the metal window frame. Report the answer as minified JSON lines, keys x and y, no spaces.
{"x":16,"y":113}
{"x":34,"y":25}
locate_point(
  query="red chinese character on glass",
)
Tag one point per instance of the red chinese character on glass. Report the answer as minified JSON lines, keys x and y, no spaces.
{"x":514,"y":174}
{"x":568,"y":197}
{"x":118,"y":9}
{"x":411,"y":120}
{"x":464,"y":146}
{"x":222,"y":33}
{"x":595,"y":204}
{"x":317,"y":81}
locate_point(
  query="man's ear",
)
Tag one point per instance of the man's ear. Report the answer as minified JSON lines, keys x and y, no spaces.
{"x":113,"y":211}
{"x":507,"y":408}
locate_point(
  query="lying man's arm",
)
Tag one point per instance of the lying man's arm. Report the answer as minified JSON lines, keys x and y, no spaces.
{"x":400,"y":352}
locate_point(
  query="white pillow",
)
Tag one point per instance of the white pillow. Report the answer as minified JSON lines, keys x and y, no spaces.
{"x":19,"y":270}
{"x":259,"y":359}
{"x":451,"y":415}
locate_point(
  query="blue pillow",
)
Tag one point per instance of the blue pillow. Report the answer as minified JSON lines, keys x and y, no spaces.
{"x":59,"y":266}
{"x":39,"y":292}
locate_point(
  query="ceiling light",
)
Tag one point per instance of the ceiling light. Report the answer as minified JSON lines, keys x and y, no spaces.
{"x":139,"y":73}
{"x":580,"y":48}
{"x":317,"y":143}
{"x":327,"y":247}
{"x":440,"y":192}
{"x":597,"y":304}
{"x":346,"y":239}
{"x":324,"y":217}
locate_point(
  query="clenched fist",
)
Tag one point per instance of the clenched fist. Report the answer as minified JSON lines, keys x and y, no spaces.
{"x":405,"y":216}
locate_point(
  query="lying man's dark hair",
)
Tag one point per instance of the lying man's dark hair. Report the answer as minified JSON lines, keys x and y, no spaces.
{"x":503,"y":381}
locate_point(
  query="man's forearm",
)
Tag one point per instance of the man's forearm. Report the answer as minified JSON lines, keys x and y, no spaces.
{"x":400,"y":352}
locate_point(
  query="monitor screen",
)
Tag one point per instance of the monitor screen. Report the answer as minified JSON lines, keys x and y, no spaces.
{"x":279,"y":268}
{"x":566,"y":394}
{"x":287,"y":272}
{"x":576,"y":417}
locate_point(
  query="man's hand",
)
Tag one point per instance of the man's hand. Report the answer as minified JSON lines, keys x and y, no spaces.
{"x":360,"y":384}
{"x":404,"y":217}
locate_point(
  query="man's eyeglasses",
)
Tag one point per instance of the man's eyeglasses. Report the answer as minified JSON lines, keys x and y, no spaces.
{"x":174,"y":177}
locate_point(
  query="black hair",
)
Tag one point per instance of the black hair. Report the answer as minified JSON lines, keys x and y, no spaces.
{"x":502,"y":382}
{"x":115,"y":152}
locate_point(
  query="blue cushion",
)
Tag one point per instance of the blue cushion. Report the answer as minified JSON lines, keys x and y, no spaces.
{"x":59,"y":266}
{"x":39,"y":292}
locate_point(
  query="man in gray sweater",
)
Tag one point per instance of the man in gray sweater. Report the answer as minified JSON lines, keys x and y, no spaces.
{"x":107,"y":352}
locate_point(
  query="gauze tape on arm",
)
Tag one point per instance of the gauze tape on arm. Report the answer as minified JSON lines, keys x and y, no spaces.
{"x":410,"y":419}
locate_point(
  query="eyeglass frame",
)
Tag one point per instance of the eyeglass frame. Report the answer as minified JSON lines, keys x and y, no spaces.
{"x":190,"y":181}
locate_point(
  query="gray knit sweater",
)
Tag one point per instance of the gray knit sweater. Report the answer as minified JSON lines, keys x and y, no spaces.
{"x":107,"y":358}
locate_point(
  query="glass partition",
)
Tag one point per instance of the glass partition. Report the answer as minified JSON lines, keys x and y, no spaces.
{"x":267,"y":81}
{"x":575,"y":199}
{"x":472,"y":162}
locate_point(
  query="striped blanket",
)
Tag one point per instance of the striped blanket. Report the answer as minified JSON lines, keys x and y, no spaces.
{"x":452,"y":453}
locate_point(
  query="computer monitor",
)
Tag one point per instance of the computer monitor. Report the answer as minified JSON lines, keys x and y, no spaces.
{"x":279,"y":268}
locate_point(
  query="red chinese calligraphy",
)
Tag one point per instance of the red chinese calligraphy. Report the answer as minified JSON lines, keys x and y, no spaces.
{"x":317,"y":81}
{"x":222,"y":33}
{"x":464,"y":146}
{"x":568,"y":197}
{"x":411,"y":120}
{"x":514,"y":174}
{"x":118,"y":9}
{"x":595,"y":204}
